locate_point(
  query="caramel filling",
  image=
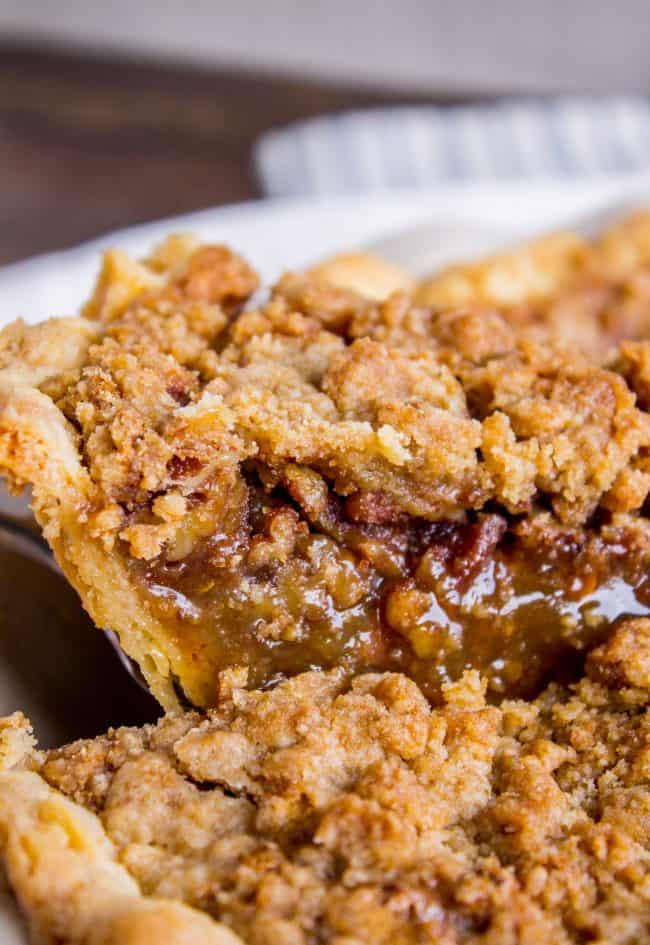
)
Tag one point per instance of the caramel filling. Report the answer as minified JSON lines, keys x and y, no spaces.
{"x":314,"y":584}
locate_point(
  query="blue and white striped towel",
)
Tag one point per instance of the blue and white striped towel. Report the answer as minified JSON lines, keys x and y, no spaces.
{"x":381,"y":149}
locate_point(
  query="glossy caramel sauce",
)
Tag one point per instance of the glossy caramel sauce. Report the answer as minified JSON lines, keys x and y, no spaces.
{"x":294,"y":590}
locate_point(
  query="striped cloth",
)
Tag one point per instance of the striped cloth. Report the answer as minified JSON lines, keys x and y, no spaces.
{"x":381,"y":149}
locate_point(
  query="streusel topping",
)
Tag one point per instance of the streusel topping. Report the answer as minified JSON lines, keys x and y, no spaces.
{"x":340,"y":811}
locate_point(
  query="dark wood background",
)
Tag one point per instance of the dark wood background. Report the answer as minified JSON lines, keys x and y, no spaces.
{"x":88,"y":144}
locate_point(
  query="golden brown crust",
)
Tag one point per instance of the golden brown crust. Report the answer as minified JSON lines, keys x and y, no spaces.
{"x":330,"y":810}
{"x":70,"y":885}
{"x":364,"y":274}
{"x":535,"y":270}
{"x":587,"y":295}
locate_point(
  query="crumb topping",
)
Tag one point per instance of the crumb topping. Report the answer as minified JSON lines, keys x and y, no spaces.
{"x":330,"y":810}
{"x":333,"y":381}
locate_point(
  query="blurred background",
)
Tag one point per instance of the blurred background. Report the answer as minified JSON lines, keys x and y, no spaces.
{"x":119,"y":112}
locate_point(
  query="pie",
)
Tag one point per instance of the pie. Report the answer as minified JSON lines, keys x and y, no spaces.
{"x":347,"y":811}
{"x":382,"y":551}
{"x":452,"y":476}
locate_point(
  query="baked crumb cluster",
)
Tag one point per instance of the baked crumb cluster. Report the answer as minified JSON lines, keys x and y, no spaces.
{"x":340,"y":811}
{"x":446,"y":476}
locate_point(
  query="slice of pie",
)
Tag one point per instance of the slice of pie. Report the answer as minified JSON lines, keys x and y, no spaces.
{"x":329,"y":479}
{"x":347,"y":811}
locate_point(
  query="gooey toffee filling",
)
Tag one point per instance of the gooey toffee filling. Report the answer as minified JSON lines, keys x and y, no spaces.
{"x":517,"y":599}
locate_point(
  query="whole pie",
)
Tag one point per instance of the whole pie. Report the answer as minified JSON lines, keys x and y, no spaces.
{"x":394,"y":540}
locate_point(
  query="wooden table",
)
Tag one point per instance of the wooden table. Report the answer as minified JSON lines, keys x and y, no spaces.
{"x":90,"y":144}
